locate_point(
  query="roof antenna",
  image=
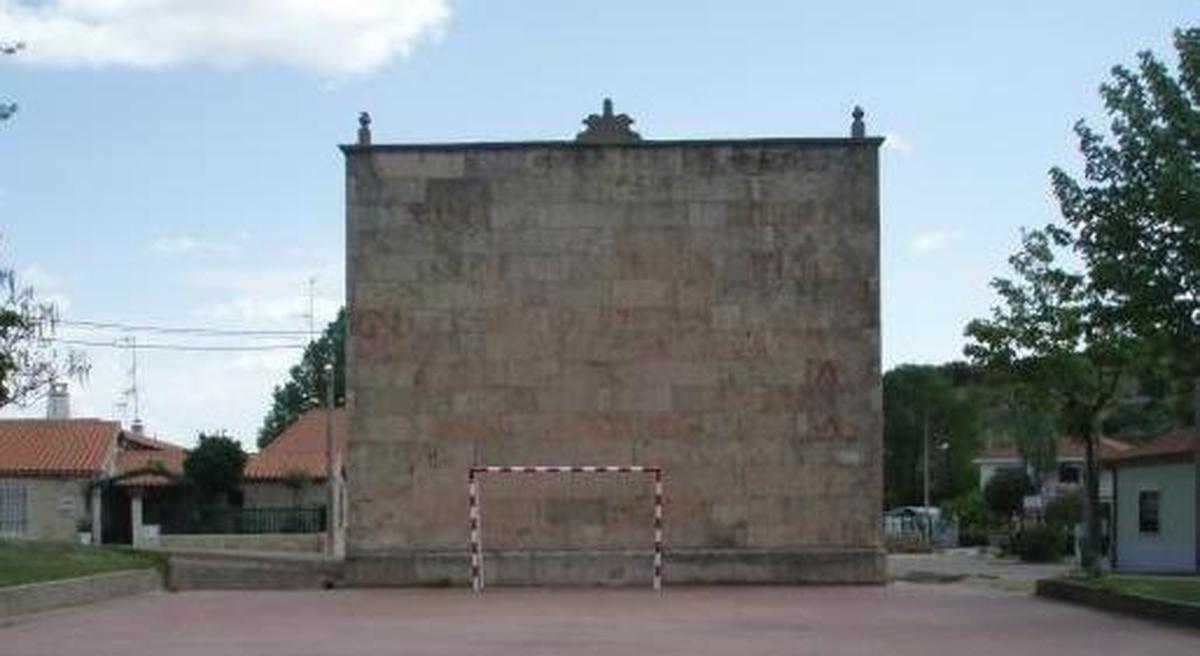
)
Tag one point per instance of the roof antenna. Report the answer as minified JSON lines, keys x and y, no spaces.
{"x":131,"y":392}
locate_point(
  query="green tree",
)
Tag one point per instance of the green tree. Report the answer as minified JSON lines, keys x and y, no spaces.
{"x":937,"y":398}
{"x":1005,"y":493}
{"x":214,"y":468}
{"x":1050,"y":342}
{"x":29,"y":358}
{"x":305,"y":388}
{"x":1032,"y":426}
{"x":1134,"y":217}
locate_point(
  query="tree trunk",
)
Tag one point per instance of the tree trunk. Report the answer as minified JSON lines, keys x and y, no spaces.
{"x":1090,"y":549}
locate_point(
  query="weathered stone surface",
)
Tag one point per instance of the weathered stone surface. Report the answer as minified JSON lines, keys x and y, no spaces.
{"x":37,"y":597}
{"x":707,"y":307}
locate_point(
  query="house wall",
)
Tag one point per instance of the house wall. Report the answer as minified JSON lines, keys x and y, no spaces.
{"x":273,"y":494}
{"x":54,"y":507}
{"x":1174,"y":547}
{"x":988,"y":469}
{"x":709,"y":307}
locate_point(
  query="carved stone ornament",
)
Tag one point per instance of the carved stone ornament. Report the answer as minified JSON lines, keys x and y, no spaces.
{"x":608,"y":128}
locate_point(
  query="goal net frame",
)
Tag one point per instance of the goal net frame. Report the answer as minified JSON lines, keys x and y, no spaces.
{"x":475,"y":507}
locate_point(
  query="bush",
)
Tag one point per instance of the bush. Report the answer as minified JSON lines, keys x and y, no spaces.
{"x":971,"y":514}
{"x":971,"y":536}
{"x":1038,"y":544}
{"x":1065,"y":510}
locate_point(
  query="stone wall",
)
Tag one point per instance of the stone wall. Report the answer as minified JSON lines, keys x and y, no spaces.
{"x":37,"y":597}
{"x":54,"y":507}
{"x":707,"y":307}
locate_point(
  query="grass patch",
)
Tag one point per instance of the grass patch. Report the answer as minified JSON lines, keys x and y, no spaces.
{"x":33,"y":562}
{"x":1177,"y":589}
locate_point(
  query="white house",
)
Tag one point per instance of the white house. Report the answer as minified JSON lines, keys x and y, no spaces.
{"x":1068,"y":472}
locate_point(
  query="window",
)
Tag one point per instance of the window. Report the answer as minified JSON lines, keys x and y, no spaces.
{"x":1148,"y":501}
{"x":1068,"y":474}
{"x":13,"y":519}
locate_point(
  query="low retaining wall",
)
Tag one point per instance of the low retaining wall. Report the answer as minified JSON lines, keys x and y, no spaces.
{"x":35,"y":597}
{"x":208,"y":570}
{"x":216,"y":570}
{"x":620,"y":567}
{"x":312,"y":543}
{"x":1087,"y":595}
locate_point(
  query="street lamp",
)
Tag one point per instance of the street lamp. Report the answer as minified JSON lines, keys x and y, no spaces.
{"x":944,"y":446}
{"x":330,"y":470}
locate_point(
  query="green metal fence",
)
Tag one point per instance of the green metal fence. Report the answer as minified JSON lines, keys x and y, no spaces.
{"x":245,"y":521}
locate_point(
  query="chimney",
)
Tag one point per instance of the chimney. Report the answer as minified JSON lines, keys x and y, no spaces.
{"x":58,"y":402}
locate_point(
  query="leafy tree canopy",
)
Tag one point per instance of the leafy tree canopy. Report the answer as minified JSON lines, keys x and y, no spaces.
{"x":215,"y":466}
{"x":1070,"y":340}
{"x":305,"y":388}
{"x":1133,"y":217}
{"x":29,"y":359}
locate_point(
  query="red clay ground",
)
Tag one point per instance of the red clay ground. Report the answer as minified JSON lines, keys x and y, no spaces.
{"x":898,"y":620}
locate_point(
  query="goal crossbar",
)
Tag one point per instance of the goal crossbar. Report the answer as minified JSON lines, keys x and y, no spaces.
{"x":474,"y":473}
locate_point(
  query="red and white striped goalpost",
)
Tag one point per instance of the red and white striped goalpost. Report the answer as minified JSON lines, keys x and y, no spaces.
{"x":474,"y":507}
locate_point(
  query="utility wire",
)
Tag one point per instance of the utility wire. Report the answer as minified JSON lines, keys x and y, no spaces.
{"x":177,"y":330}
{"x":179,"y":347}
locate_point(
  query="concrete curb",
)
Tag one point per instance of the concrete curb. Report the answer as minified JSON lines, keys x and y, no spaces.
{"x":36,"y":597}
{"x":1154,"y":609}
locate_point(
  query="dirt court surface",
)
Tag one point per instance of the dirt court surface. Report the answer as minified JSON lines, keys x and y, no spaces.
{"x":899,"y":620}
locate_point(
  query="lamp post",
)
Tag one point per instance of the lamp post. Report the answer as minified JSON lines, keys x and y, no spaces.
{"x":944,"y":446}
{"x":330,"y":468}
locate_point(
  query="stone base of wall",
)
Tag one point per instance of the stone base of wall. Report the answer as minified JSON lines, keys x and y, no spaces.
{"x":621,"y":568}
{"x":37,"y":597}
{"x":207,"y":570}
{"x":312,"y":543}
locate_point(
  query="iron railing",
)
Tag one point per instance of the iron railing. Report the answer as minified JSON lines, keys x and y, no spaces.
{"x":244,"y":521}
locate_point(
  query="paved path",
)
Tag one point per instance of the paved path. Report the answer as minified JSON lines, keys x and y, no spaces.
{"x":969,"y":566}
{"x":899,"y":620}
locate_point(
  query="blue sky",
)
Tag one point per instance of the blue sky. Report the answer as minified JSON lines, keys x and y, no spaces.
{"x":174,"y":162}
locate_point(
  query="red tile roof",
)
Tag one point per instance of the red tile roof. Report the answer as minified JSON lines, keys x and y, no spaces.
{"x":1067,"y":448}
{"x":57,"y":447}
{"x":1179,"y":443}
{"x":133,"y":440}
{"x":168,"y":456}
{"x":301,"y":447}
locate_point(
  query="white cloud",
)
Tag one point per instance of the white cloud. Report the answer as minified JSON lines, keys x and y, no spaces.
{"x":896,"y":142}
{"x":277,"y":295}
{"x":934,"y":240}
{"x":184,"y":245}
{"x":328,"y":36}
{"x":278,"y":309}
